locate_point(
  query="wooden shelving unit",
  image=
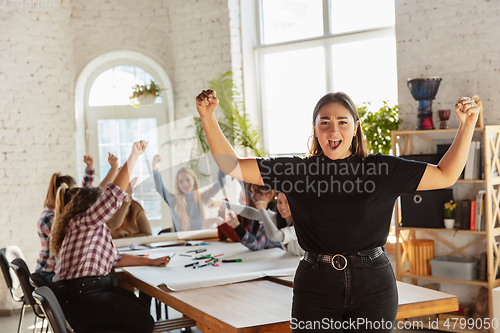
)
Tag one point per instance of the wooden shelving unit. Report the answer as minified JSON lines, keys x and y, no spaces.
{"x":402,"y":142}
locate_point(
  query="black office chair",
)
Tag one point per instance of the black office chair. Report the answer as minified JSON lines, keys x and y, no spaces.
{"x":6,"y":255}
{"x":37,"y":280}
{"x":23,"y":274}
{"x":47,"y":301}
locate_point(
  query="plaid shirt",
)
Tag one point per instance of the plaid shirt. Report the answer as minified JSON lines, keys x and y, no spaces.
{"x":45,"y":262}
{"x":88,"y":249}
{"x":257,"y":239}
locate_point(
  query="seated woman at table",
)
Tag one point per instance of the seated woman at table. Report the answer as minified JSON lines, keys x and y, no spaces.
{"x":86,"y":254}
{"x":46,"y":263}
{"x":130,"y":220}
{"x":188,"y":202}
{"x":279,"y":227}
{"x":255,"y":238}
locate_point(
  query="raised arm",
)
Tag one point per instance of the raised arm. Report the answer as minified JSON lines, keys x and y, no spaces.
{"x":88,"y":179}
{"x":219,"y":184}
{"x":113,"y":162}
{"x":123,"y":177}
{"x":160,"y":188}
{"x":450,"y":167}
{"x":242,"y":210}
{"x":272,"y":231}
{"x":245,"y":169}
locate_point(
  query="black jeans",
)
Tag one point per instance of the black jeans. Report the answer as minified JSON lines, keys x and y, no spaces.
{"x":360,"y":299}
{"x":93,"y":304}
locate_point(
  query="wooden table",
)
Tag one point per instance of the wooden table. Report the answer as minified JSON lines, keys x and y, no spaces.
{"x":265,"y":305}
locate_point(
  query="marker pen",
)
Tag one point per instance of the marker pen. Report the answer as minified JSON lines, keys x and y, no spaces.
{"x":232,"y":260}
{"x":191,"y":264}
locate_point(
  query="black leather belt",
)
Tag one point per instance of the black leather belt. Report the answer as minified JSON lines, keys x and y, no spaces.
{"x":341,"y":261}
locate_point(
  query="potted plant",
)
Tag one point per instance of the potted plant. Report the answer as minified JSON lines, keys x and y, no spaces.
{"x":144,"y":94}
{"x":377,"y":126}
{"x":449,"y":214}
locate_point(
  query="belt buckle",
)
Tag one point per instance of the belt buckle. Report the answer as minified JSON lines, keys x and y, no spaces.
{"x":333,"y":262}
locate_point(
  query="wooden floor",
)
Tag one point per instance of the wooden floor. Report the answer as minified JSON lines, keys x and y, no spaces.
{"x":9,"y":324}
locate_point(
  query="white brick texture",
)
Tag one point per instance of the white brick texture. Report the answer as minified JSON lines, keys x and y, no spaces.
{"x":455,"y":40}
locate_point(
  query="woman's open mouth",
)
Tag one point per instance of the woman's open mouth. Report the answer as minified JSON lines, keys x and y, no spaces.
{"x":334,"y":144}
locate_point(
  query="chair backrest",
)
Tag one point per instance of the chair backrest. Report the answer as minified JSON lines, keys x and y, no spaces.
{"x":53,"y":312}
{"x":23,"y":274}
{"x":4,"y":263}
{"x":37,"y":280}
{"x":6,"y":256}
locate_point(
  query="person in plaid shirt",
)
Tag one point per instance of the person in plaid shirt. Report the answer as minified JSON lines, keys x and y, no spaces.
{"x":46,"y":263}
{"x":86,"y":254}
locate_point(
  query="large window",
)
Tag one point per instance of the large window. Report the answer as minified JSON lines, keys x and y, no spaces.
{"x":310,"y":47}
{"x":113,"y":125}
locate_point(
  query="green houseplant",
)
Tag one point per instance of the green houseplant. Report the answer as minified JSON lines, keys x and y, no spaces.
{"x":377,"y":126}
{"x":145,"y":94}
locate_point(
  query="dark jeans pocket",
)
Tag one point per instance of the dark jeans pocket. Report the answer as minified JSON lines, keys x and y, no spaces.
{"x":380,"y":262}
{"x":304,"y":266}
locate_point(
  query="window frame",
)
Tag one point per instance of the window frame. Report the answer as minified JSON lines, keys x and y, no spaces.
{"x":93,"y":114}
{"x":327,"y":40}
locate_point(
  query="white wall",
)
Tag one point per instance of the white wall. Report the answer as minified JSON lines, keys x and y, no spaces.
{"x":457,"y":40}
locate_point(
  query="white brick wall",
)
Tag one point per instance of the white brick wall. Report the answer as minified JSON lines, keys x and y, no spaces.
{"x":41,"y":56}
{"x":456,"y":40}
{"x":459,"y":42}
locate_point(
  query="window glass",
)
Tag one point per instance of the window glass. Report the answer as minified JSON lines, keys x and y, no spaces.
{"x":116,"y":136}
{"x":115,"y":86}
{"x":293,"y":83}
{"x":366,"y":70}
{"x":355,"y":15}
{"x":286,"y":20}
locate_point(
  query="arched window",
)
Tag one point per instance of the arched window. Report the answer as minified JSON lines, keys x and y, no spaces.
{"x":112,"y":124}
{"x":115,"y":86}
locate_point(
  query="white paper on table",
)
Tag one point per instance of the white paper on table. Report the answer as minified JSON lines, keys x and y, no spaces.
{"x":166,"y":237}
{"x":255,"y":264}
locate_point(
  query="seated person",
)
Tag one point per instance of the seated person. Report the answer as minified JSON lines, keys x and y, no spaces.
{"x":279,"y":227}
{"x":86,"y":255}
{"x":255,"y":238}
{"x":187,"y":204}
{"x":130,"y":220}
{"x":224,"y":230}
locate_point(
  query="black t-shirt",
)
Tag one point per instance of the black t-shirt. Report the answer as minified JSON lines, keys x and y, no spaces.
{"x":345,"y":205}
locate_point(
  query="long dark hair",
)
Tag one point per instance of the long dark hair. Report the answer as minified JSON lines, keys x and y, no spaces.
{"x":358,"y":145}
{"x":280,"y":221}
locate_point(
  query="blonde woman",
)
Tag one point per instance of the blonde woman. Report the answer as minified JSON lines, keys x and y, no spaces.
{"x":187,"y":205}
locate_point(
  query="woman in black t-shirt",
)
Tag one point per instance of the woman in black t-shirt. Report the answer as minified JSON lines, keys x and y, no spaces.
{"x":341,"y":199}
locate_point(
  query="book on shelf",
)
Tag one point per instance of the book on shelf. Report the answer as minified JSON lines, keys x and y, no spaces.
{"x":465,"y":214}
{"x":473,"y":215}
{"x":480,"y":216}
{"x":474,"y":165}
{"x":469,"y":164}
